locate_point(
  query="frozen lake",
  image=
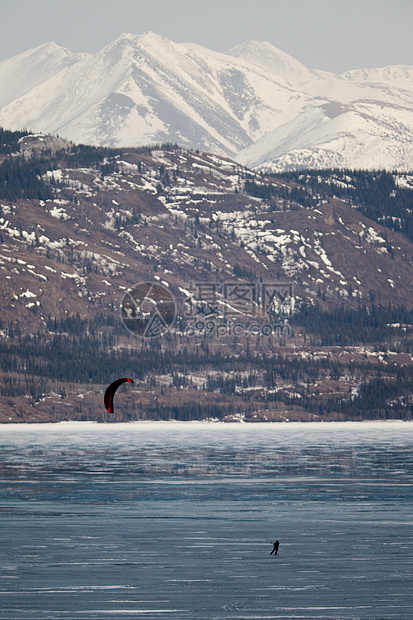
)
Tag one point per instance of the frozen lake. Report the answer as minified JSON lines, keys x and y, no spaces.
{"x":175,"y":520}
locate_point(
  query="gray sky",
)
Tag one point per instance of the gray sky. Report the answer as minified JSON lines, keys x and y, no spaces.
{"x":334,"y":35}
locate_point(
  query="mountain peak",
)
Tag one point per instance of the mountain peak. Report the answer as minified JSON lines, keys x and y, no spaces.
{"x":254,"y":46}
{"x":267,"y":56}
{"x":51,"y":48}
{"x":21,"y":73}
{"x":145,"y":39}
{"x":43,"y":51}
{"x":145,"y":89}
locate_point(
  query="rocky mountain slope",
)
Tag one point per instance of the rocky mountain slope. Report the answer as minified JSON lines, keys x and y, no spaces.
{"x":80,"y":226}
{"x":254,"y":104}
{"x":185,"y":216}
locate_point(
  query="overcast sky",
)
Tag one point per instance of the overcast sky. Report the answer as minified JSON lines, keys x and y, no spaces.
{"x":334,"y":35}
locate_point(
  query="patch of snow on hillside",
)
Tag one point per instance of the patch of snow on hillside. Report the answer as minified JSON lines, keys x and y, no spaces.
{"x":28,"y":294}
{"x":59,"y":213}
{"x":372,"y":236}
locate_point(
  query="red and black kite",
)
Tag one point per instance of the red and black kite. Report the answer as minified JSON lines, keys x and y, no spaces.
{"x":110,"y":392}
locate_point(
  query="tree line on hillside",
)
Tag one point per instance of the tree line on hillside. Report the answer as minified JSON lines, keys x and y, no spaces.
{"x":376,"y":194}
{"x":9,"y":140}
{"x":346,"y":326}
{"x":75,"y":350}
{"x":22,"y":177}
{"x":289,"y":196}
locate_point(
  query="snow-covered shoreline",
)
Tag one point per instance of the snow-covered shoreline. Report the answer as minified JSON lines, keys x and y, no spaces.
{"x":144,"y":424}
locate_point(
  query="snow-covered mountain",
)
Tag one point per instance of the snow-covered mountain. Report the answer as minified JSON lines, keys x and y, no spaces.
{"x":254,"y":103}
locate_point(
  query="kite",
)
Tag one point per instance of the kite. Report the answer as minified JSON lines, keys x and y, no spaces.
{"x":110,"y":392}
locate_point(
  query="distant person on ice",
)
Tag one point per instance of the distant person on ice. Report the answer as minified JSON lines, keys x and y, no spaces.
{"x":275,"y":549}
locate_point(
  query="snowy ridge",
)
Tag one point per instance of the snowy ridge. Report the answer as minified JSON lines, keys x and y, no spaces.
{"x":319,"y":139}
{"x":275,"y":61}
{"x":255,"y":103}
{"x":22,"y":73}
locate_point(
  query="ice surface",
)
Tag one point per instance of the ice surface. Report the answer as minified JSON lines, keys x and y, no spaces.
{"x":177,"y":519}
